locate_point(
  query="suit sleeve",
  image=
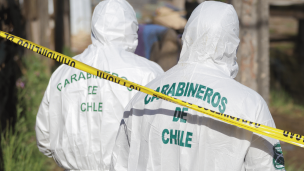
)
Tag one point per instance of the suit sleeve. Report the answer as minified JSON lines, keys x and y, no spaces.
{"x":42,"y":125}
{"x":264,"y":153}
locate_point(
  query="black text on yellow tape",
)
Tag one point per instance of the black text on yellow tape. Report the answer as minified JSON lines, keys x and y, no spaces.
{"x":281,"y":135}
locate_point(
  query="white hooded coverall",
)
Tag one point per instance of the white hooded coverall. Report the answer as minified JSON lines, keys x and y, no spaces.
{"x":79,"y":115}
{"x":156,"y":135}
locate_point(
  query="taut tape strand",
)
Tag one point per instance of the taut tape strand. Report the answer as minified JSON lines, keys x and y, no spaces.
{"x":281,"y":135}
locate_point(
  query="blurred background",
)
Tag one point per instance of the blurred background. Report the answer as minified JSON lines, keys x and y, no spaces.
{"x":270,"y":57}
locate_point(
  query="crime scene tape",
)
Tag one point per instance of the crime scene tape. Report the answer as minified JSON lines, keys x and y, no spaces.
{"x":281,"y":135}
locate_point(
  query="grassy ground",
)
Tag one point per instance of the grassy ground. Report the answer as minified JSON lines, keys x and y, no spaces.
{"x":288,"y":115}
{"x":283,"y":104}
{"x":286,"y":104}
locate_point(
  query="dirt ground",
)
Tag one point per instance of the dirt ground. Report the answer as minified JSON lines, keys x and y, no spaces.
{"x":292,"y":154}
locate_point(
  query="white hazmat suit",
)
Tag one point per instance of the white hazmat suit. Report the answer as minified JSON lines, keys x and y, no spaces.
{"x":156,"y":135}
{"x":79,"y":115}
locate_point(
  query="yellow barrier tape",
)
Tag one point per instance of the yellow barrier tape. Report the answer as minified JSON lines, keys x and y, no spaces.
{"x":281,"y":135}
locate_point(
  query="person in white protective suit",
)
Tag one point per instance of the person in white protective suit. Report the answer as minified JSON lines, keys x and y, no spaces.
{"x":79,"y":115}
{"x":156,"y":135}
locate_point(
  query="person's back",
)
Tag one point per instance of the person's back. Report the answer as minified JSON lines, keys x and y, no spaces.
{"x":79,"y":116}
{"x":161,"y":136}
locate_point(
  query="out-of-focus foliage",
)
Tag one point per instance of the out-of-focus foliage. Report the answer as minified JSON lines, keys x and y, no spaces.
{"x":10,"y":53}
{"x":18,"y":142}
{"x":10,"y":21}
{"x":19,"y":150}
{"x":286,"y":71}
{"x":284,"y":104}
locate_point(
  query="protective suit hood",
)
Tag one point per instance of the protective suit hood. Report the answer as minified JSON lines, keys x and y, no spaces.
{"x":211,"y":37}
{"x":157,"y":135}
{"x":80,"y":113}
{"x":114,"y":23}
